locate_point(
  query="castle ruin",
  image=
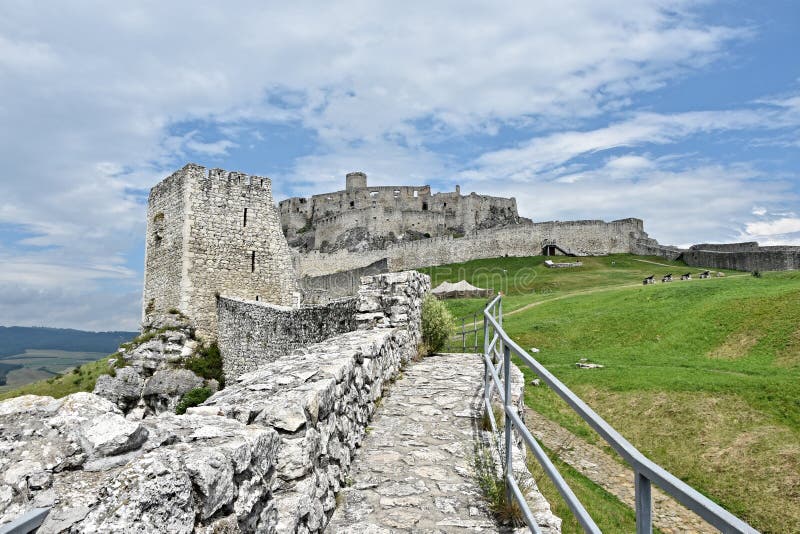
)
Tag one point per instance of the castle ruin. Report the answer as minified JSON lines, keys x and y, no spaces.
{"x":361,"y":217}
{"x":212,"y":232}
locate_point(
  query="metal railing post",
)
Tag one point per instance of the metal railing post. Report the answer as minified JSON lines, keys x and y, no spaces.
{"x":644,"y":504}
{"x":507,"y":420}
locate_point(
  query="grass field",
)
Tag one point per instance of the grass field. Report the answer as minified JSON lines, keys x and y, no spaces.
{"x":42,"y":365}
{"x":703,"y":376}
{"x":81,"y":378}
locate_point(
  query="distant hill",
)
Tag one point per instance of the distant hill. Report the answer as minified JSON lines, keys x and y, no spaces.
{"x":16,"y":339}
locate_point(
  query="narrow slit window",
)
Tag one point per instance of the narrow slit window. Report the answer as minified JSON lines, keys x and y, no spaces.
{"x":253,"y":262}
{"x":245,"y":217}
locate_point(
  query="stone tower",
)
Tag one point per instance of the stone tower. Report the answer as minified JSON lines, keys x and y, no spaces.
{"x":209,"y":233}
{"x":355,"y":180}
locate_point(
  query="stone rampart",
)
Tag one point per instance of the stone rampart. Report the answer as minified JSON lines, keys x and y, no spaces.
{"x":651,"y":247}
{"x":320,"y":398}
{"x":266,"y":454}
{"x":252,"y":334}
{"x":762,"y":259}
{"x":748,"y":246}
{"x":582,"y":238}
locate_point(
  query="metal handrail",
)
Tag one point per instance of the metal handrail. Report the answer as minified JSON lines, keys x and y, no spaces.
{"x":645,"y":470}
{"x":30,"y":521}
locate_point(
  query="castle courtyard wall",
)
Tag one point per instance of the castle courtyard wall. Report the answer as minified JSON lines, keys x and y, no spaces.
{"x":762,"y":259}
{"x":582,"y":238}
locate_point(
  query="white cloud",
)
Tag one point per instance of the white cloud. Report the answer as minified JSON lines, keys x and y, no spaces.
{"x":90,"y":96}
{"x":784,"y":225}
{"x":680,"y":202}
{"x":543,"y":153}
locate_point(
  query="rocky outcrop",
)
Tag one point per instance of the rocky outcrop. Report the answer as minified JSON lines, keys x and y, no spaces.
{"x":148,"y":375}
{"x":103,"y":473}
{"x":266,"y":454}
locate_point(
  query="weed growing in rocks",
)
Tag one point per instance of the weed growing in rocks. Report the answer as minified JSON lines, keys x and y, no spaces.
{"x":493,"y":489}
{"x":191,"y":398}
{"x":207,"y":363}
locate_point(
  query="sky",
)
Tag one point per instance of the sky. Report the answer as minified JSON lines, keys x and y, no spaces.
{"x":685,"y":114}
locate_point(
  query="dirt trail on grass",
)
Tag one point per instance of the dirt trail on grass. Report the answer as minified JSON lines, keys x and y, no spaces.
{"x":656,"y":263}
{"x":602,"y":469}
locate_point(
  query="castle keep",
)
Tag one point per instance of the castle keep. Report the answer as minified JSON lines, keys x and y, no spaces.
{"x":212,"y":232}
{"x":367,"y":218}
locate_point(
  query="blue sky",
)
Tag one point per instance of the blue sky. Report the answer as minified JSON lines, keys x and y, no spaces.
{"x":685,"y":114}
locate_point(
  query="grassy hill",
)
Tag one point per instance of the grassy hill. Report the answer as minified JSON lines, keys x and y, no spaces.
{"x":703,"y":376}
{"x":30,"y":354}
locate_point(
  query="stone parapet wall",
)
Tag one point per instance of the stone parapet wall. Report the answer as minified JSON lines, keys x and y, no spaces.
{"x":582,"y":238}
{"x":323,"y":289}
{"x":266,"y":454}
{"x":748,"y":246}
{"x":763,"y":259}
{"x":651,"y":247}
{"x":253,"y":333}
{"x":319,"y":399}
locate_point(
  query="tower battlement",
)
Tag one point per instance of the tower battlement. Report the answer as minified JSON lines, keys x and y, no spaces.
{"x":213,"y":232}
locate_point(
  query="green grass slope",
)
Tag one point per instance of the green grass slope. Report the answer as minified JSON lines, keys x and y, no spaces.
{"x":81,"y":378}
{"x":703,"y":376}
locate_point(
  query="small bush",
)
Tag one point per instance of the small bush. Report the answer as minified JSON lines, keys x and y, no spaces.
{"x":437,"y":324}
{"x":207,"y":363}
{"x":191,"y":398}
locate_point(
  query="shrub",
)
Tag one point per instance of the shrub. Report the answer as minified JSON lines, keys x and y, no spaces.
{"x":437,"y":324}
{"x":207,"y":363}
{"x":194,"y":397}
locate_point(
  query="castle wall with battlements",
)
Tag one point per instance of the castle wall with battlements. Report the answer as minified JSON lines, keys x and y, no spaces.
{"x":582,"y":238}
{"x":212,"y":232}
{"x":391,"y":212}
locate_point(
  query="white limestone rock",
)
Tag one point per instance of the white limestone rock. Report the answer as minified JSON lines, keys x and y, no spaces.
{"x":124,"y":389}
{"x":164,"y":389}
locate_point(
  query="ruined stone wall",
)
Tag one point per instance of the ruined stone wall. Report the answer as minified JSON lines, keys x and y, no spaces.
{"x":266,"y":454}
{"x":222,"y":250}
{"x":763,"y":259}
{"x":748,"y":246}
{"x":577,"y":237}
{"x":323,"y":289}
{"x":391,"y":210}
{"x":252,"y":334}
{"x":651,"y":247}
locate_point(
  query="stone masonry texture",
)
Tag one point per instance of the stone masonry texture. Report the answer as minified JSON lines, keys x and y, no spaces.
{"x":582,"y":238}
{"x":415,"y":470}
{"x":266,"y":454}
{"x":213,"y":232}
{"x":252,"y":333}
